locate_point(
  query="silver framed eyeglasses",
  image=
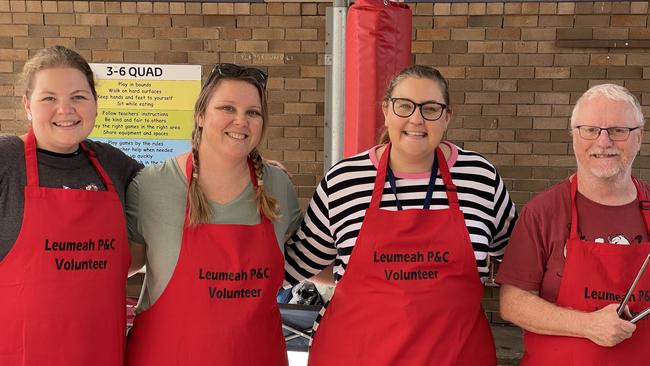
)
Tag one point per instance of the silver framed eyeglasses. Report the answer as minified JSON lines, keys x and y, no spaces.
{"x":614,"y":133}
{"x":430,"y":111}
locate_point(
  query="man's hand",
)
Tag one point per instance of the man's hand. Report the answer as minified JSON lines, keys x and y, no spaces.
{"x":606,"y":329}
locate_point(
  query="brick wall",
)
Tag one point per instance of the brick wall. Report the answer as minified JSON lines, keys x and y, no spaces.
{"x":515,"y":68}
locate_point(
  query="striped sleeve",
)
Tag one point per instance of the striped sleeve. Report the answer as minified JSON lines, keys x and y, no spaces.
{"x":311,"y":248}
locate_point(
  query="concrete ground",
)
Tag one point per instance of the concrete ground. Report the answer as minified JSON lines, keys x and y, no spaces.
{"x":509,"y":344}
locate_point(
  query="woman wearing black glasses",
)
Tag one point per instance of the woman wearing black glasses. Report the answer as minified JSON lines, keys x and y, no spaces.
{"x":409,"y":226}
{"x":207,"y":224}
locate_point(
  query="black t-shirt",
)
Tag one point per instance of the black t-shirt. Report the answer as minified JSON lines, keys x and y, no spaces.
{"x":73,"y":171}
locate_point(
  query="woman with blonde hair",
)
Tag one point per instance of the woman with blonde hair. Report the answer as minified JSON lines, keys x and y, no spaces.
{"x":208,"y":226}
{"x":63,"y":241}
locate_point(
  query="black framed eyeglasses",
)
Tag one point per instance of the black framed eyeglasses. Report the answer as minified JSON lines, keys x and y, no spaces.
{"x":430,"y":111}
{"x":614,"y":133}
{"x":235,"y":71}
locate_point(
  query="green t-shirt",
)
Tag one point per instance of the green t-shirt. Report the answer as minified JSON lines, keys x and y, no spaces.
{"x":155,"y":209}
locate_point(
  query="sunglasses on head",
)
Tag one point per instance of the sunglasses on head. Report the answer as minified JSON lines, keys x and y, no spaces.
{"x":235,"y":71}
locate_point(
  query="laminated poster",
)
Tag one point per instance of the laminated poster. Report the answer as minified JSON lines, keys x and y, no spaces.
{"x":147,"y":111}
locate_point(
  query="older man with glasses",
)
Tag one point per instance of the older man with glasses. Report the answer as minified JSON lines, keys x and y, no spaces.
{"x":577,"y":247}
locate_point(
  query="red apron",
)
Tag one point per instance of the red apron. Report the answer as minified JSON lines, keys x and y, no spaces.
{"x":411,"y":294}
{"x":219,"y":306}
{"x":596,"y":275}
{"x":62,"y":285}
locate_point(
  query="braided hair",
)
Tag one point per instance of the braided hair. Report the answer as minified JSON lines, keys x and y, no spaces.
{"x":200,"y":211}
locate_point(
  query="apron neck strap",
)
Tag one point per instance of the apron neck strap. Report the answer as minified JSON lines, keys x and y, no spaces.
{"x":31,"y":163}
{"x":644,"y":206}
{"x":384,"y":170}
{"x":574,"y":210}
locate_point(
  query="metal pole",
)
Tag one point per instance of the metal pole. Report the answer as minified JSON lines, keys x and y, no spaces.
{"x":336,"y":17}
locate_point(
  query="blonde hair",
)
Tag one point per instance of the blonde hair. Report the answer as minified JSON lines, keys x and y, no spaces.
{"x":415,"y":71}
{"x":54,"y":57}
{"x":200,"y":211}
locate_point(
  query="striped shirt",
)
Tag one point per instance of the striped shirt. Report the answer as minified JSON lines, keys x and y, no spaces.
{"x":333,"y":220}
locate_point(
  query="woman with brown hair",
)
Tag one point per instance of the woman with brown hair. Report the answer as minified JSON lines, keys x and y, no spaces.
{"x":63,"y":241}
{"x":208,"y":226}
{"x":409,"y":226}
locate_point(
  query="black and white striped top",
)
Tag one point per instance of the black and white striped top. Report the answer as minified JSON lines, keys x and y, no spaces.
{"x":336,"y":211}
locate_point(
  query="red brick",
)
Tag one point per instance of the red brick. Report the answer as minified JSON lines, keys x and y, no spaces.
{"x":168,"y":33}
{"x":91,"y":19}
{"x":588,"y":72}
{"x":538,"y":34}
{"x":65,"y":42}
{"x":552,"y":72}
{"x":611,"y":33}
{"x":484,"y":46}
{"x":433,"y":34}
{"x":123,"y":19}
{"x":432,"y":59}
{"x":497,"y":135}
{"x":550,"y":123}
{"x":516,"y":98}
{"x":190,"y":21}
{"x":450,"y":21}
{"x":550,"y":148}
{"x":501,"y":60}
{"x":142,"y":33}
{"x":463,"y":135}
{"x":468,"y":34}
{"x":592,"y":21}
{"x":534,"y":110}
{"x":14,"y":30}
{"x":500,"y":85}
{"x":503,"y":34}
{"x":624,"y":72}
{"x":567,"y":59}
{"x":285,"y":21}
{"x":532,"y":135}
{"x":499,"y":110}
{"x":535,"y":60}
{"x":466,"y":59}
{"x":485,"y":21}
{"x":609,"y":59}
{"x":481,"y":98}
{"x":91,"y":44}
{"x":519,"y":47}
{"x":28,"y":18}
{"x":520,"y":21}
{"x":450,"y":46}
{"x":556,"y":20}
{"x":167,"y":57}
{"x":628,"y":21}
{"x":28,"y":42}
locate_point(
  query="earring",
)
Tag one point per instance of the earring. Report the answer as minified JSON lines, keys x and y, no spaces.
{"x":29,"y":116}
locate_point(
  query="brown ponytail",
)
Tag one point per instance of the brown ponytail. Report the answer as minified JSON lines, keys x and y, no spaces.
{"x":266,"y":203}
{"x":200,"y":210}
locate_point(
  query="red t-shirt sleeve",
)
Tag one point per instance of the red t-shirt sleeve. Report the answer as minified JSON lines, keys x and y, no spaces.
{"x":524,"y":261}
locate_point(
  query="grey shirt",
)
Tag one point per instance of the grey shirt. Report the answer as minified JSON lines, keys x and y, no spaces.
{"x":55,"y":171}
{"x":156,"y":211}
